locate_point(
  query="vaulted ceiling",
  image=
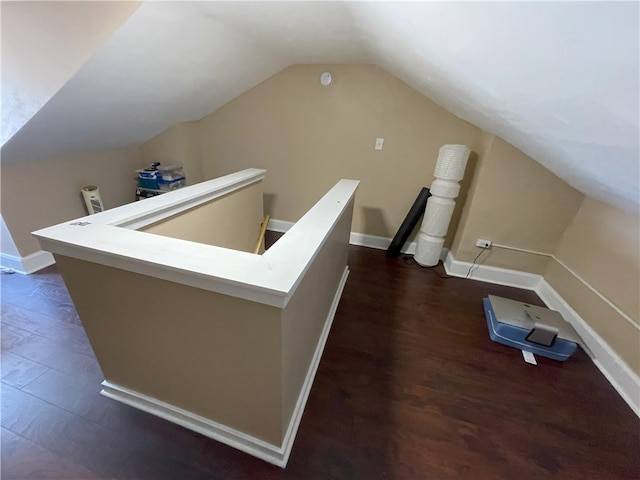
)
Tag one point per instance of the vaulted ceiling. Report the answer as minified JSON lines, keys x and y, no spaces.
{"x":559,"y":80}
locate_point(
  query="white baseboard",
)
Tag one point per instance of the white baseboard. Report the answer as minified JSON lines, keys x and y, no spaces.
{"x":29,"y":264}
{"x":274,"y":454}
{"x":500,"y":276}
{"x":617,"y":372}
{"x":11,"y":262}
{"x":217,"y":431}
{"x":360,"y":239}
{"x":380,"y":243}
{"x":281,"y":226}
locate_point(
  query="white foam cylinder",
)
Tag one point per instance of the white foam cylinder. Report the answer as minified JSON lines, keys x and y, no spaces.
{"x":428,"y":249}
{"x":437,"y":216}
{"x":445,"y":188}
{"x":452,"y":161}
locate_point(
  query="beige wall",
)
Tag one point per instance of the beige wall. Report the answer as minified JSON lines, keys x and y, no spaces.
{"x":43,"y":193}
{"x":308,"y":137}
{"x":211,"y":354}
{"x":44,"y":44}
{"x":514,"y":201}
{"x":602,"y":246}
{"x":179,"y":143}
{"x":306,"y":313}
{"x":231,"y":221}
{"x":7,"y":246}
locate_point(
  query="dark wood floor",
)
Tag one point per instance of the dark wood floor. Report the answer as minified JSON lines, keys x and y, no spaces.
{"x":409,"y":387}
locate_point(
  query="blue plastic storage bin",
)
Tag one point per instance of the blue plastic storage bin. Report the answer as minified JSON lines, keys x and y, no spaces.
{"x":513,"y":336}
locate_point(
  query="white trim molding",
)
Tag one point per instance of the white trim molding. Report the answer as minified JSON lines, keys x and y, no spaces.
{"x":616,"y":371}
{"x":281,"y":226}
{"x":380,"y":243}
{"x":500,"y":276}
{"x":11,"y":263}
{"x":274,"y":454}
{"x":360,"y":239}
{"x":222,"y":433}
{"x":577,"y":276}
{"x":29,"y":264}
{"x":296,"y":417}
{"x":109,"y":238}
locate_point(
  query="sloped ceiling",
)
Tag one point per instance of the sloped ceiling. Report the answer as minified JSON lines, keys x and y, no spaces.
{"x":559,"y":80}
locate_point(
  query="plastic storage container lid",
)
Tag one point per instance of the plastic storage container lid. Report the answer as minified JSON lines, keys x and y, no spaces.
{"x":169,"y":168}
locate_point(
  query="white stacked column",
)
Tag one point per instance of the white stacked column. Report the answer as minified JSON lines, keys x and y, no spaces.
{"x":452,"y":160}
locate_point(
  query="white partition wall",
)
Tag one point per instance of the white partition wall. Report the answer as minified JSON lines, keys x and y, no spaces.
{"x":216,"y":339}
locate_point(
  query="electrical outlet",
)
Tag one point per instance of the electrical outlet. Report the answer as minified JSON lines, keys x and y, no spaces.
{"x":482,"y":243}
{"x":379,"y":143}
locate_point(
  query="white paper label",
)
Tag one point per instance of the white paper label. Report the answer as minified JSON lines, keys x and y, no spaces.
{"x":529,"y":357}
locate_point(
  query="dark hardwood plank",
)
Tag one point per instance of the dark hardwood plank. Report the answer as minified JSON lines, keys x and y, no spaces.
{"x":71,"y":334}
{"x":13,"y":338}
{"x":142,"y":464}
{"x":68,"y":392}
{"x":23,"y":459}
{"x":50,"y":353}
{"x":44,"y":291}
{"x":66,"y":435}
{"x":18,"y":371}
{"x":409,"y":386}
